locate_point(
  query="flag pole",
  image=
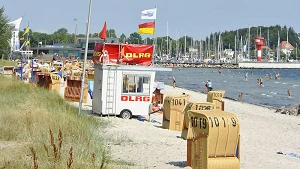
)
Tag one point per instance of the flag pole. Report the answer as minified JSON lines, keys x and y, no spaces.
{"x":85,"y":57}
{"x":154,"y":38}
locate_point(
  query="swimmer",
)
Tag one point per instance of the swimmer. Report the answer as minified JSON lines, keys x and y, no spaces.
{"x":270,"y":76}
{"x":246,"y":77}
{"x":239,"y":73}
{"x":251,"y":73}
{"x":260,"y":82}
{"x":219,"y":71}
{"x":179,"y":69}
{"x":241,"y":96}
{"x":277,"y":76}
{"x":289,"y":92}
{"x":267,"y":75}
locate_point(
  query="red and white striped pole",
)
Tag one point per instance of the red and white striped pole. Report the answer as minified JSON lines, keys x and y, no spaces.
{"x":259,"y":42}
{"x":259,"y":53}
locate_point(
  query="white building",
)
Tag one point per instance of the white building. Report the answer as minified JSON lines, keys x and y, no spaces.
{"x":286,"y":47}
{"x":228,"y":53}
{"x":14,"y":40}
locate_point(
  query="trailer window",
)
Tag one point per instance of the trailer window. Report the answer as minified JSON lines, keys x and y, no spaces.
{"x":139,"y":84}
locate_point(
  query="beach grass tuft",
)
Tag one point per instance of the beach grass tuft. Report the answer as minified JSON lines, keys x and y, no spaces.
{"x":7,"y":63}
{"x":41,"y":130}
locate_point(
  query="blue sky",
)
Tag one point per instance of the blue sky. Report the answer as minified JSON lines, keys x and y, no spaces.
{"x":197,"y":18}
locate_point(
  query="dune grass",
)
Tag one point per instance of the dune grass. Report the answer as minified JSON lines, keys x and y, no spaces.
{"x":7,"y":63}
{"x":38,"y":129}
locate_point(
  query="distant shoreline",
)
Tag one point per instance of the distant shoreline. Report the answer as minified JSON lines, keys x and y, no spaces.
{"x":230,"y":66}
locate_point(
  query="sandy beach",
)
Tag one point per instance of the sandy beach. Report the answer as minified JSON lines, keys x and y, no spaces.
{"x":263,"y":134}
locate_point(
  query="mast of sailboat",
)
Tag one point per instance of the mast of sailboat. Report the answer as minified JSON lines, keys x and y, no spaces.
{"x":208,"y":47}
{"x":215,"y":45}
{"x":222,"y":47}
{"x":235,"y":55}
{"x":185,"y":44}
{"x":200,"y":49}
{"x":248,"y":44}
{"x":218,"y":52}
{"x":241,"y":48}
{"x":268,"y":43}
{"x":177,"y":45}
{"x":287,"y":43}
{"x":296,"y":51}
{"x":167,"y":39}
{"x":278,"y":47}
{"x":260,"y":31}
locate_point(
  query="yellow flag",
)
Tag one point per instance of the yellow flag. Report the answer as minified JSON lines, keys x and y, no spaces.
{"x":26,"y":31}
{"x":27,"y":43}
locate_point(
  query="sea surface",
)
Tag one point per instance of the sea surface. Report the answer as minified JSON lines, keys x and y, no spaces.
{"x":273,"y":93}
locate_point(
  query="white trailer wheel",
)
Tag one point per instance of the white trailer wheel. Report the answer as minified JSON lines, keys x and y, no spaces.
{"x":126,"y":114}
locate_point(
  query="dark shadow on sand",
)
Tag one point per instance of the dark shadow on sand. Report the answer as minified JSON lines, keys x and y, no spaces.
{"x":181,"y":164}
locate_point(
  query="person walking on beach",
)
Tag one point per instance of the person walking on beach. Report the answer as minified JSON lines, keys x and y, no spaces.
{"x":173,"y":81}
{"x":289,"y":92}
{"x":209,"y":86}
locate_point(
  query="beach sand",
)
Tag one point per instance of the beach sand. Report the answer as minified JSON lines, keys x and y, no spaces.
{"x":263,"y":134}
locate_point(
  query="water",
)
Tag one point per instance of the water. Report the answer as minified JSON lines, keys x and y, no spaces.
{"x":273,"y":93}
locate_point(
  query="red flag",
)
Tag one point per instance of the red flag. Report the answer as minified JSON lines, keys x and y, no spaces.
{"x":102,"y":34}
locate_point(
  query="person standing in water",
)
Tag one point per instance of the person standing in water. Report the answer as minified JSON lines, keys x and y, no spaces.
{"x":209,"y":86}
{"x":289,"y":92}
{"x":173,"y":82}
{"x":219,"y":71}
{"x":246,"y":77}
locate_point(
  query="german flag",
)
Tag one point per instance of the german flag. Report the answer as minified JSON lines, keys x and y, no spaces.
{"x":146,"y":28}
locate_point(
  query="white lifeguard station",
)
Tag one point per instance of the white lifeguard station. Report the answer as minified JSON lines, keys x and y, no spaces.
{"x":124,"y":90}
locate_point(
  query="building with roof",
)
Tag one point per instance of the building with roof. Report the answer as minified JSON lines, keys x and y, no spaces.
{"x":72,"y":49}
{"x":286,"y":47}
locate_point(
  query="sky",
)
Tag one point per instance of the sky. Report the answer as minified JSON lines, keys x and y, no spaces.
{"x":196,"y":18}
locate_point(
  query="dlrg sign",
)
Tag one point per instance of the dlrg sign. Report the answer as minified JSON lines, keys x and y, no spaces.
{"x":138,"y":55}
{"x":135,"y":98}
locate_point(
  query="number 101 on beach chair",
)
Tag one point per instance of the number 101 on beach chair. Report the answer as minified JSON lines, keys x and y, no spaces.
{"x":216,"y":136}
